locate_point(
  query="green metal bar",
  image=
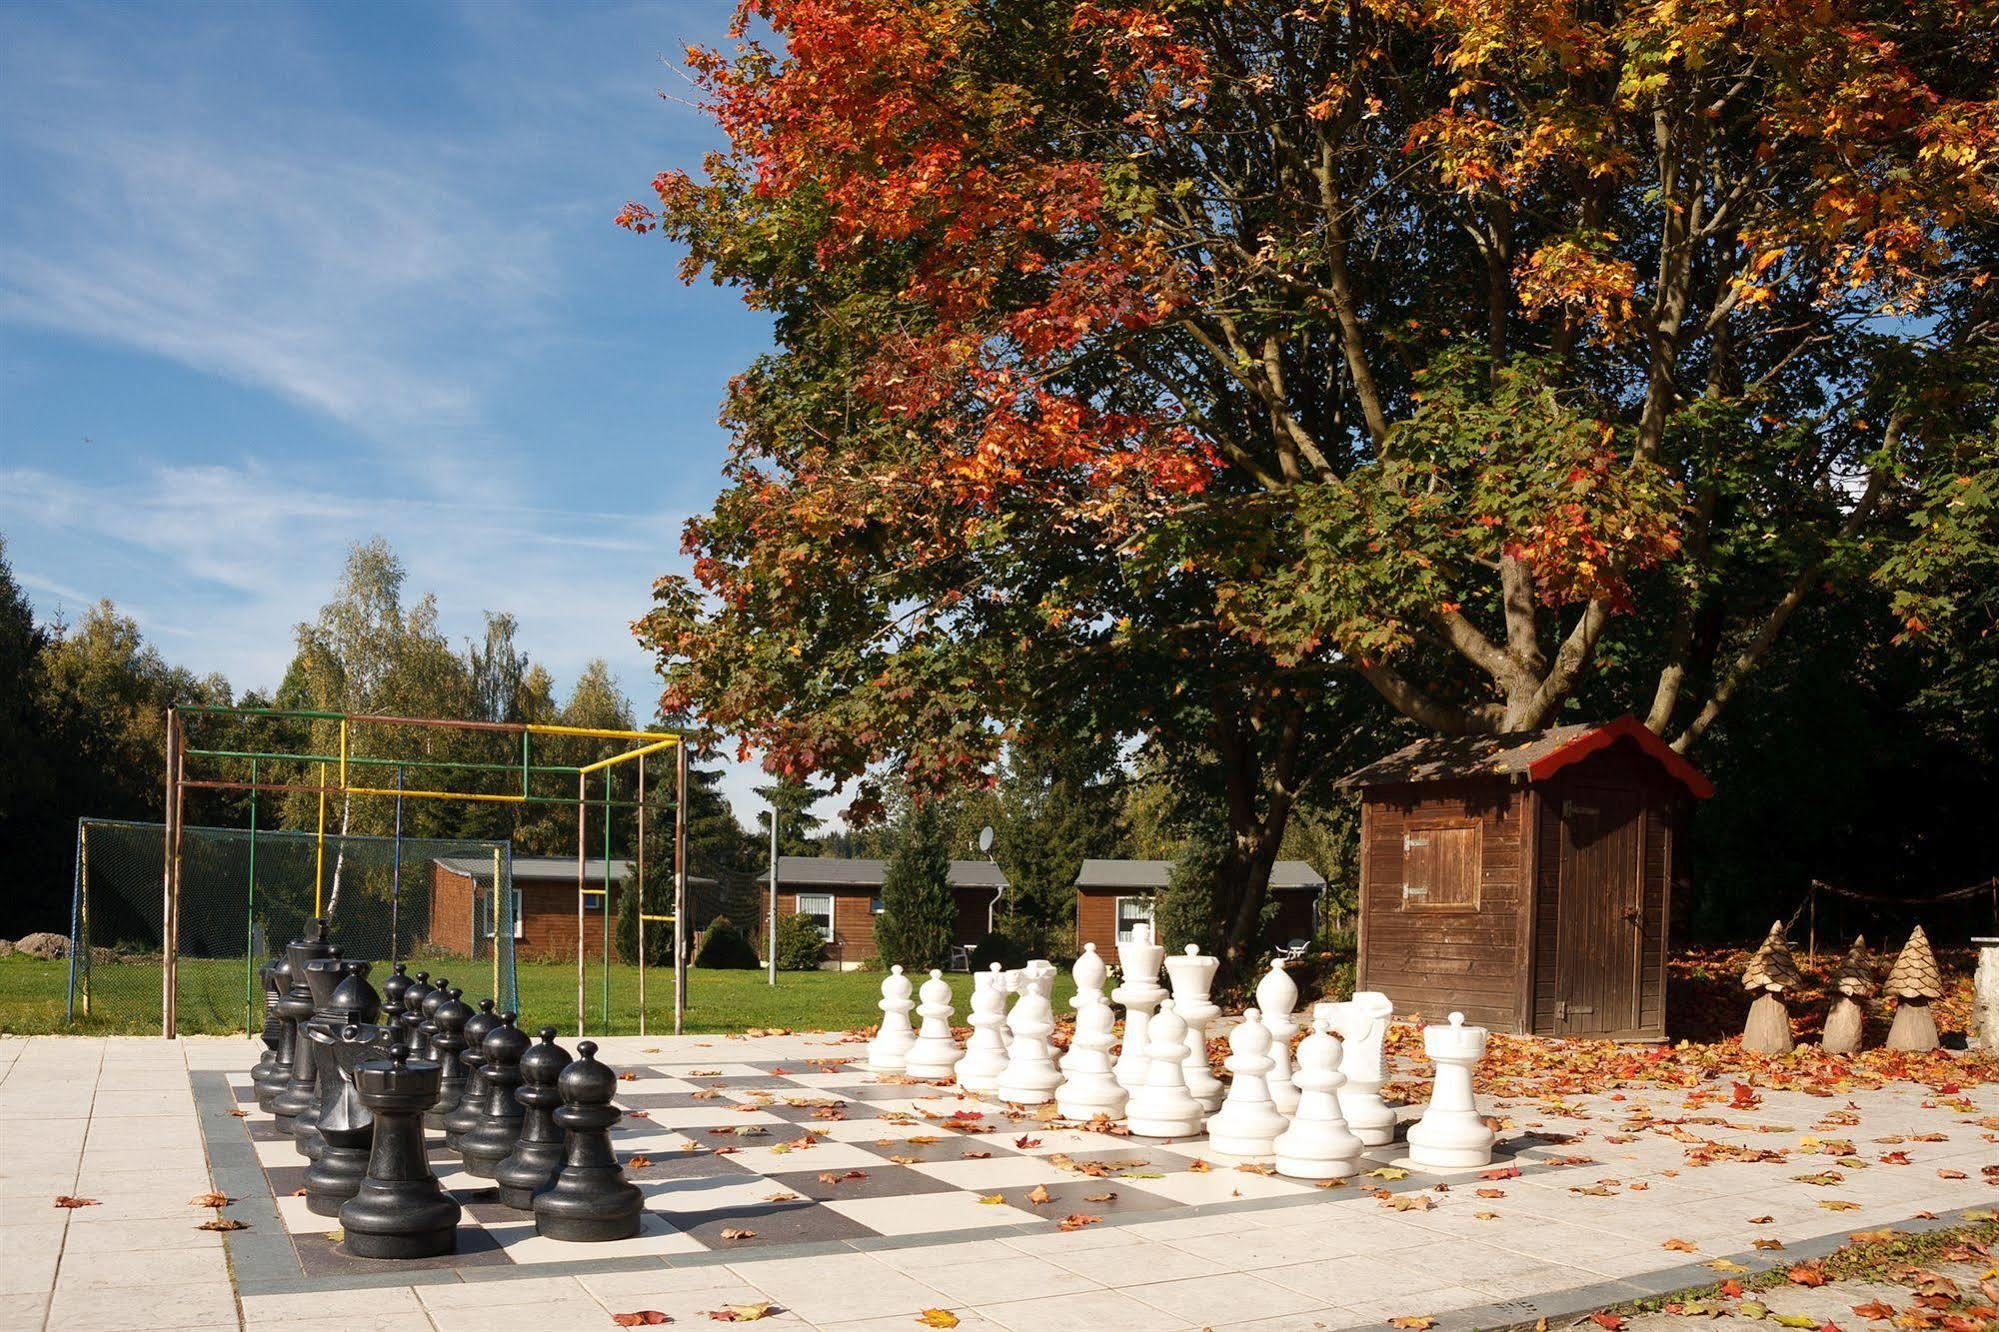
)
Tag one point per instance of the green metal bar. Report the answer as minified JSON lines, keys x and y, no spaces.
{"x":559,"y":769}
{"x":607,"y":899}
{"x":250,"y":924}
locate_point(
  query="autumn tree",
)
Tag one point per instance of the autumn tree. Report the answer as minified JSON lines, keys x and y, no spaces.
{"x":1158,"y":368}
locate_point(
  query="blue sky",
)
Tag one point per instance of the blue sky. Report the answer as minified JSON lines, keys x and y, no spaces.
{"x":275,"y":278}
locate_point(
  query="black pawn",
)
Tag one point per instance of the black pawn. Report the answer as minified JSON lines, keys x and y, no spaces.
{"x":296,"y":1010}
{"x":400,"y":1211}
{"x":591,"y":1201}
{"x":343,"y":1035}
{"x":538,"y":1151}
{"x":395,"y":987}
{"x":278,"y":1033}
{"x":499,"y":1125}
{"x":451,"y":1018}
{"x":269,"y":1034}
{"x":322,"y":977}
{"x":412,"y":1015}
{"x":465,"y":1117}
{"x":426,"y":1026}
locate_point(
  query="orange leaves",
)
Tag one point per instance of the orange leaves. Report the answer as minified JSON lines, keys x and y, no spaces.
{"x":641,"y":1318}
{"x":1576,"y":280}
{"x":1808,"y":1274}
{"x":67,"y":1201}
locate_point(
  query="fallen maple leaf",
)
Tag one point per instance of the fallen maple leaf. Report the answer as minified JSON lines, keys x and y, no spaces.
{"x":641,"y":1318}
{"x":1100,"y":1197}
{"x":66,"y":1201}
{"x":1198,"y":1167}
{"x":1076,"y":1221}
{"x":639,"y":1162}
{"x":993,"y":1199}
{"x":732,"y":1233}
{"x":1807,"y":1274}
{"x":1679,"y":1245}
{"x":1387,"y":1172}
{"x":1023,"y":1142}
{"x":740,"y":1313}
{"x":1413,"y":1322}
{"x":210,"y":1200}
{"x":1766,"y":1244}
{"x":1039,"y":1194}
{"x":1609,"y":1321}
{"x":224,"y":1223}
{"x":1839,"y":1205}
{"x":937,"y":1318}
{"x":1485,"y":1216}
{"x":1875,"y":1311}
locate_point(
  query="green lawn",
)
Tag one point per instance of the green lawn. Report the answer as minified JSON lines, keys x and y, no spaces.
{"x":126,"y":998}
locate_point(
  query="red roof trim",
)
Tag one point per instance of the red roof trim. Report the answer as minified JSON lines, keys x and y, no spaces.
{"x":1603,"y":737}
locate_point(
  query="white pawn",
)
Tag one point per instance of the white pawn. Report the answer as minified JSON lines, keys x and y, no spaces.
{"x":936,"y":1051}
{"x":1318,"y":1145}
{"x":1193,"y":975}
{"x":1089,"y":973}
{"x":1247,"y":1125}
{"x":888,"y":1052}
{"x":985,"y":1053}
{"x":1088,"y":1089}
{"x":1362,"y":1023}
{"x":1162,"y":1107}
{"x":1277,"y":998}
{"x":1031,"y":1076}
{"x":1451,"y":1135}
{"x":1139,"y":992}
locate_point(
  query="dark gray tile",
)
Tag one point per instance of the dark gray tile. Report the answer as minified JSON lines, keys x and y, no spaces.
{"x":321,"y":1257}
{"x":883,"y":1181}
{"x":770,"y":1224}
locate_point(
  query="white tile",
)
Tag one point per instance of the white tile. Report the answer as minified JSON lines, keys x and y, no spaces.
{"x":930,"y":1213}
{"x":656,"y":1237}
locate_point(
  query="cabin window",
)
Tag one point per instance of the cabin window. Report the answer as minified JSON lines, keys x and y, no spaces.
{"x":486,"y":916}
{"x":819,"y":906}
{"x":1440,"y":866}
{"x":874,"y":906}
{"x":1132,"y":911}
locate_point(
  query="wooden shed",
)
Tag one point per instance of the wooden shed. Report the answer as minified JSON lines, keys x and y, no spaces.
{"x":1526,"y":880}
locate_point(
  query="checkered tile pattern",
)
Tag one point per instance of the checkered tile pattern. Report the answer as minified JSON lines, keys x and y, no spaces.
{"x":740,"y":1156}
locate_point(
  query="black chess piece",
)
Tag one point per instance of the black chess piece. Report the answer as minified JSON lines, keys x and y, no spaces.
{"x":296,"y":1009}
{"x":591,"y":1201}
{"x":440,"y":993}
{"x":322,"y":977}
{"x":450,"y":1018}
{"x":395,"y":987}
{"x":466,"y":1115}
{"x":499,"y":1127}
{"x":343,"y":1035}
{"x":277,"y":1034}
{"x":538,"y":1151}
{"x":412,"y":1014}
{"x":269,"y":1034}
{"x":400,"y":1210}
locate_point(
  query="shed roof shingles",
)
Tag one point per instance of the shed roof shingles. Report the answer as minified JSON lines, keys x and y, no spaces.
{"x":1152,"y":875}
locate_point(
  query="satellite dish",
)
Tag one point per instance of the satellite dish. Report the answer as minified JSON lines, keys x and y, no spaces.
{"x":986,"y":838}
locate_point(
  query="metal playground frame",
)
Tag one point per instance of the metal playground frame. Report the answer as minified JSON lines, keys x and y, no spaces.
{"x":341,"y":775}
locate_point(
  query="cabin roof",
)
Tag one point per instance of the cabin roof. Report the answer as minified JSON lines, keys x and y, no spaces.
{"x":860,"y":872}
{"x":1527,"y":756}
{"x":1152,"y":875}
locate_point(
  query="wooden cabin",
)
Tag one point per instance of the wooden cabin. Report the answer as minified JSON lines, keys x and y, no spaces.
{"x":843,"y":896}
{"x":1526,"y":880}
{"x":1114,"y":895}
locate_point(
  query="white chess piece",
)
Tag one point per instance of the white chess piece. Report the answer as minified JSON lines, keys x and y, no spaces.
{"x":1277,"y":999}
{"x":1247,"y":1125}
{"x":935,"y":1053}
{"x":1031,"y":1076}
{"x":1139,"y":992}
{"x":1088,"y":1090}
{"x":1192,"y":976}
{"x":1040,"y":974}
{"x":1162,"y":1107}
{"x":1451,"y":1135}
{"x":1362,"y":1023}
{"x":888,"y":1052}
{"x":1089,"y":973}
{"x":1318,"y":1145}
{"x":985,"y":1052}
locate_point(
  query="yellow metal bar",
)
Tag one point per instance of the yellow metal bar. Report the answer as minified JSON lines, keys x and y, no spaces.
{"x":656,"y":920}
{"x":499,"y":798}
{"x":319,"y":846}
{"x":595,"y":892}
{"x":596,"y":732}
{"x":628,"y":755}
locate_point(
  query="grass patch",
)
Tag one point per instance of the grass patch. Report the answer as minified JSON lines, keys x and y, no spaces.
{"x":126,"y":997}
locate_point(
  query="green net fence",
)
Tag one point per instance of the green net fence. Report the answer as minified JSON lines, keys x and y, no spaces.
{"x":243,"y":894}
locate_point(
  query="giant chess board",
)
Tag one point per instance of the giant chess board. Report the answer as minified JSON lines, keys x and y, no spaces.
{"x":739,"y":1158}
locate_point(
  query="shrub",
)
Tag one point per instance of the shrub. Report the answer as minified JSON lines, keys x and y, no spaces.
{"x":800,"y":946}
{"x":998,"y":946}
{"x":725,"y":947}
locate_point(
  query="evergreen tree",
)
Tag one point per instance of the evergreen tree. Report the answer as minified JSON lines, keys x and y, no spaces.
{"x":797,"y":825}
{"x":1055,"y":810}
{"x":1190,"y":910}
{"x":914,"y":927}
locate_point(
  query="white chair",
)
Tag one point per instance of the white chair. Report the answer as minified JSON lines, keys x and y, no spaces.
{"x":1293,"y":951}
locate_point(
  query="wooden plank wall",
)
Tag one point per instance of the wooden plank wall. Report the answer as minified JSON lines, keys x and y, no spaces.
{"x":1435,"y":961}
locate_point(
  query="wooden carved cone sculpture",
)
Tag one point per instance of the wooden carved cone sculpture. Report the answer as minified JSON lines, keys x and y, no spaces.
{"x":1915,"y":981}
{"x":1771,"y":972}
{"x":1846,"y":1021}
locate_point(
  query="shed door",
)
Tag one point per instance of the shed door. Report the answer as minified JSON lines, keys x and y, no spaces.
{"x":1602,"y":930}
